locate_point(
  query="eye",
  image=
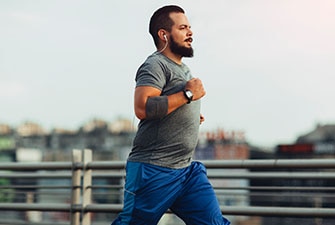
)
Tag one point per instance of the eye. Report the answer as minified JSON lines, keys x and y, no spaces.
{"x":184,"y":27}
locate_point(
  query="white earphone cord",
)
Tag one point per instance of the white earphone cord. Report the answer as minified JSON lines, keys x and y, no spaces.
{"x":166,"y":44}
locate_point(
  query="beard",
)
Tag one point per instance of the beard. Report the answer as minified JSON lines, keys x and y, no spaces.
{"x":180,"y":50}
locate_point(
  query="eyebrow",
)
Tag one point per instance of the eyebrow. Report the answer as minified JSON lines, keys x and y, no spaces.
{"x":184,"y":26}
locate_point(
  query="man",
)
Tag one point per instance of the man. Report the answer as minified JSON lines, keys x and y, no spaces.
{"x":160,"y":172}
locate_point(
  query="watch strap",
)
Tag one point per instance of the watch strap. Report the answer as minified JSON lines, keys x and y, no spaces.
{"x":189,"y":96}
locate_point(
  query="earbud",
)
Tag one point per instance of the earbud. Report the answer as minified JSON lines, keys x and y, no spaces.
{"x":166,"y":43}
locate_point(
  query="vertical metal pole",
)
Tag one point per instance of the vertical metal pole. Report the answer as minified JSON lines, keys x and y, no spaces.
{"x":76,"y":180}
{"x":87,"y":187}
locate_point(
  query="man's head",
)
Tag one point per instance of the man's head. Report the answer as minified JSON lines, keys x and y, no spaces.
{"x":169,"y":25}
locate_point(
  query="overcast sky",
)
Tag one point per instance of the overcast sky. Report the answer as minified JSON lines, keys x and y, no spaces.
{"x":268,"y":66}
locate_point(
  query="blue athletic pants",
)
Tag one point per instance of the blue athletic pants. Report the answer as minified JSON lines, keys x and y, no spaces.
{"x":151,"y":190}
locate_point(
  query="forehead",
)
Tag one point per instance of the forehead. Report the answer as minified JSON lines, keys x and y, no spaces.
{"x":179,"y":19}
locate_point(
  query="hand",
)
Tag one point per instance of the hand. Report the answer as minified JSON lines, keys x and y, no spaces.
{"x":195,"y":85}
{"x":202,"y":118}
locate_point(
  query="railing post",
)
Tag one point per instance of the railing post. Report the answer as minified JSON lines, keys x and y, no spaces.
{"x":87,"y":187}
{"x":76,"y":184}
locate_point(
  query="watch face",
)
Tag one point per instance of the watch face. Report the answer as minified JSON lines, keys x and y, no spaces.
{"x":189,"y":94}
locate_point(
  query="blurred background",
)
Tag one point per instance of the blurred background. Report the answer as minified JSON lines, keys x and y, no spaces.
{"x":67,"y":73}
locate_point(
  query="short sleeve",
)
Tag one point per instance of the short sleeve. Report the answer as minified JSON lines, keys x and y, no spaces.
{"x":151,"y":73}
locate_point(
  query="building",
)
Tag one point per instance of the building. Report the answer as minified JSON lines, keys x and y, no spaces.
{"x":318,"y":143}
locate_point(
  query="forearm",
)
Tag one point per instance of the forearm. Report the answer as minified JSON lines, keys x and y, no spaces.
{"x":175,"y":101}
{"x":157,"y":107}
{"x":149,"y":104}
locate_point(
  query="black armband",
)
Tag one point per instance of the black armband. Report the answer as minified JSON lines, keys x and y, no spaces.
{"x":156,"y":107}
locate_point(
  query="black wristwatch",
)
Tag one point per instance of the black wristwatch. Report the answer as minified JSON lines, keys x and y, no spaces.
{"x":189,"y":95}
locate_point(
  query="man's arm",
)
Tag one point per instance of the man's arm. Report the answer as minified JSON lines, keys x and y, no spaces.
{"x":174,"y":101}
{"x":143,"y":93}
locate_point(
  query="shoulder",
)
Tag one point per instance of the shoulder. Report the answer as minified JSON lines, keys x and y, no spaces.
{"x":157,"y":64}
{"x":157,"y":59}
{"x":153,"y":72}
{"x":152,"y":64}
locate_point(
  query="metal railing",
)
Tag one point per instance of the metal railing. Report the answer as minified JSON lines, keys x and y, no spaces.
{"x":79,"y":172}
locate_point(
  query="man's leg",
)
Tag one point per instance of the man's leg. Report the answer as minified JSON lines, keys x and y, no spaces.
{"x":149,"y":192}
{"x":198,"y":204}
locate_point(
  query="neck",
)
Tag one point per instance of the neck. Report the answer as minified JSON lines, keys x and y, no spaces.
{"x":174,"y":57}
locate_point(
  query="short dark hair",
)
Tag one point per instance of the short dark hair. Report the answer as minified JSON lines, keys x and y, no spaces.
{"x":161,"y":20}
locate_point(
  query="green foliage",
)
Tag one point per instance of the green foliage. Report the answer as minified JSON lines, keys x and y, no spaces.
{"x":6,"y":194}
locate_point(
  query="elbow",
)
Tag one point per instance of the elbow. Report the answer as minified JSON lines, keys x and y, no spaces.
{"x":139,"y":109}
{"x":140,"y":114}
{"x":154,"y":108}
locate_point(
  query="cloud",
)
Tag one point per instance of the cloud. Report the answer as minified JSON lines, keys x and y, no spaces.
{"x":12,"y":89}
{"x":25,"y":17}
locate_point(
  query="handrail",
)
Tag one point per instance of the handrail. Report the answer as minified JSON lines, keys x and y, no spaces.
{"x":251,"y":210}
{"x":28,"y":166}
{"x":79,"y":171}
{"x":211,"y":174}
{"x":272,"y":163}
{"x":227,"y":210}
{"x":210,"y":164}
{"x":229,"y":164}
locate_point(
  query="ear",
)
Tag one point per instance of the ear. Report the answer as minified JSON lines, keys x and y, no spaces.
{"x":162,"y":34}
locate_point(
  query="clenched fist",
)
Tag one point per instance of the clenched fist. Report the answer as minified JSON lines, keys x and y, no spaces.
{"x":195,"y":85}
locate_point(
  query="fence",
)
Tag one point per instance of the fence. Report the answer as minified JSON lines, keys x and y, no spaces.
{"x":79,"y":171}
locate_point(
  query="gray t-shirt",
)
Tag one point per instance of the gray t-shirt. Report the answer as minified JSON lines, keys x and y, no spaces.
{"x":170,"y":141}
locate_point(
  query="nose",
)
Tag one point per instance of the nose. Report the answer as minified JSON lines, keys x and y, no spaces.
{"x":190,"y":32}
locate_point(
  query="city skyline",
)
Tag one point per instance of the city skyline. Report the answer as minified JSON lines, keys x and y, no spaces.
{"x":267,"y":66}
